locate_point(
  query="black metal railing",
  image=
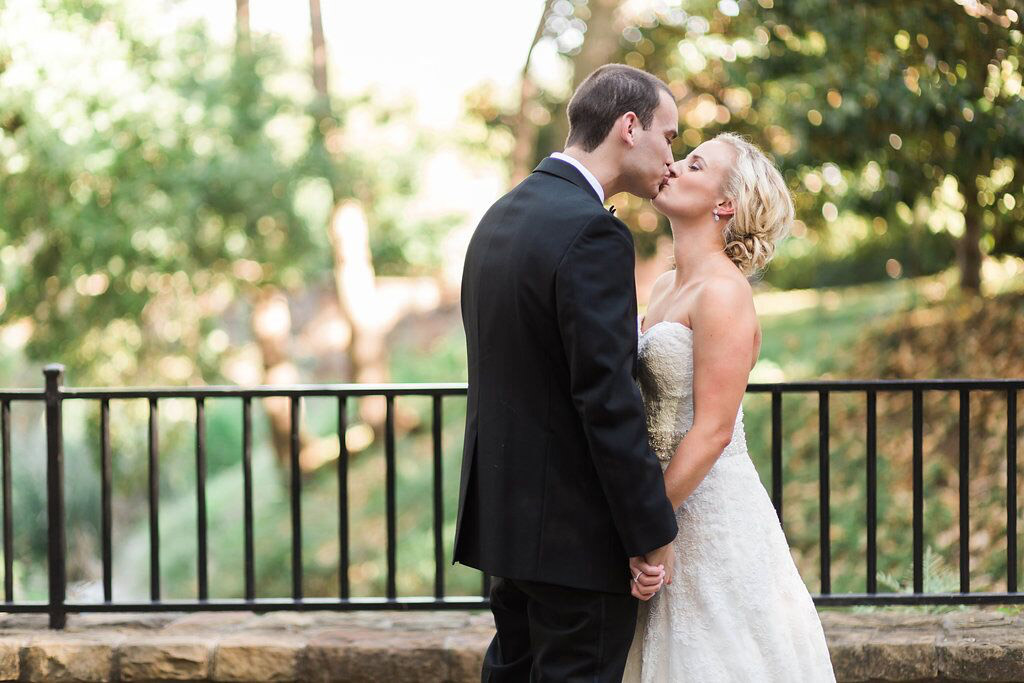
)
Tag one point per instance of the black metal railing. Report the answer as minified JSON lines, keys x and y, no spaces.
{"x":55,"y":394}
{"x":917,"y":389}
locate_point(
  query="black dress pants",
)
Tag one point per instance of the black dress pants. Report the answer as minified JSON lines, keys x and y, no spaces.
{"x":556,"y":634}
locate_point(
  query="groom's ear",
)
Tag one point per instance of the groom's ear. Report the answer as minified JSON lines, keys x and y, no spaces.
{"x":626,"y":128}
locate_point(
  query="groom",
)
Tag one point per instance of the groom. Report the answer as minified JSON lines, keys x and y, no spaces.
{"x":559,"y":487}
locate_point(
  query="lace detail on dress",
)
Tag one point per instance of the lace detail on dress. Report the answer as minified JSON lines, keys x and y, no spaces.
{"x":667,"y":390}
{"x":737,"y":610}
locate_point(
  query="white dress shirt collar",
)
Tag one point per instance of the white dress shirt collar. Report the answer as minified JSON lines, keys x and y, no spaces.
{"x":591,"y":178}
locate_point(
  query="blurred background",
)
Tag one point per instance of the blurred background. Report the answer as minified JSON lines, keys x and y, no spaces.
{"x":261,"y":192}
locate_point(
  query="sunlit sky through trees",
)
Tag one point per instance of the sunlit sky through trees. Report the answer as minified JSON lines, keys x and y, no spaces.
{"x":432,"y":52}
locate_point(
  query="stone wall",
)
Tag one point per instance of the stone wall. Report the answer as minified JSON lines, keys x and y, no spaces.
{"x":392,"y":647}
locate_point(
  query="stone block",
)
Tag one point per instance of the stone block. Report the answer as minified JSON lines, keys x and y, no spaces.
{"x":383,"y":659}
{"x":882,"y":647}
{"x":466,"y":654}
{"x":56,"y":659}
{"x":994,"y":654}
{"x":257,"y":658}
{"x":177,"y":658}
{"x":10,"y":658}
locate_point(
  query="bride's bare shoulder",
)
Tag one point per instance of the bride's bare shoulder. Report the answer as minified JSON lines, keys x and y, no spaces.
{"x":729,"y":285}
{"x":725,"y":295}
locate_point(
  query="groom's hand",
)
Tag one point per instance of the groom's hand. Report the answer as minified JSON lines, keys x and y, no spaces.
{"x":663,"y":557}
{"x":647,"y":579}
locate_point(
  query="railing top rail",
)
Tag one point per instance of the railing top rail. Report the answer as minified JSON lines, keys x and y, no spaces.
{"x":990,"y":384}
{"x":458,"y":388}
{"x":443,"y":389}
{"x":22,"y":395}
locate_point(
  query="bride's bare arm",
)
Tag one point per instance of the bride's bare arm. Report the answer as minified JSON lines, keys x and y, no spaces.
{"x":724,"y":328}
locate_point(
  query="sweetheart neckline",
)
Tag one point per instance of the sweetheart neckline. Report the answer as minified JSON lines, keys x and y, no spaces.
{"x":663,"y":322}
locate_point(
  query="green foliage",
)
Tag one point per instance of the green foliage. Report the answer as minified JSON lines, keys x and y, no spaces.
{"x":813,"y":262}
{"x":152,"y":178}
{"x":139,"y":174}
{"x":937,"y":577}
{"x":903,"y":117}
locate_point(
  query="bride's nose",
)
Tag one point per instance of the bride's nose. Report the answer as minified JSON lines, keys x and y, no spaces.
{"x":673,"y":169}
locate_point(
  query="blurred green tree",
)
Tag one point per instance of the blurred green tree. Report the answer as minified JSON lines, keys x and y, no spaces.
{"x":906,"y":112}
{"x":898,"y":126}
{"x":143,"y":189}
{"x":152,"y":179}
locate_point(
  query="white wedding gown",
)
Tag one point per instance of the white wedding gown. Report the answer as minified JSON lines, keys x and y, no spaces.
{"x":737,"y":610}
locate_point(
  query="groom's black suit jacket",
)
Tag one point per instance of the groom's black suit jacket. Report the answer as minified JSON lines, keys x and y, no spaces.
{"x":558,"y":482}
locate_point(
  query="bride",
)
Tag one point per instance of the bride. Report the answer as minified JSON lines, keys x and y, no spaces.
{"x":733,"y":607}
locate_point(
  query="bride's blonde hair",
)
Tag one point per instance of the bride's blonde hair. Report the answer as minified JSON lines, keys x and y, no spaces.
{"x":764,"y":206}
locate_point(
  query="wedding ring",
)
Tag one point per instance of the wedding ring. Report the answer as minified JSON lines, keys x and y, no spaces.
{"x":637,"y":577}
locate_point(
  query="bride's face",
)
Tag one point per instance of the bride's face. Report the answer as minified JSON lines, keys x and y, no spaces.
{"x":695,"y":187}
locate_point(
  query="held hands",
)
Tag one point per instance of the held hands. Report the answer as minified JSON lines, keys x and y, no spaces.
{"x":650,"y":572}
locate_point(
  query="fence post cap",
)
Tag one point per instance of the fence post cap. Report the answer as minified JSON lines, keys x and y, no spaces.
{"x":53,"y":368}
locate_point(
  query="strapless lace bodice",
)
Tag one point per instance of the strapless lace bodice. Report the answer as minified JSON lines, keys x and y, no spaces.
{"x":665,"y":376}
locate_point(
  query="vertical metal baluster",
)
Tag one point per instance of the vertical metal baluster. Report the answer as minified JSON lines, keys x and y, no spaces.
{"x":485,"y":587}
{"x":823,"y":493}
{"x":5,"y":445}
{"x":872,"y":509}
{"x":438,"y":503}
{"x":247,"y":503}
{"x":918,"y":476}
{"x":106,"y":505}
{"x":777,"y":453}
{"x":296,"y":487}
{"x":343,"y":562}
{"x":201,"y":523}
{"x":56,"y":524}
{"x":154,"y":502}
{"x":389,"y":486}
{"x":1011,"y":491}
{"x":965,"y":482}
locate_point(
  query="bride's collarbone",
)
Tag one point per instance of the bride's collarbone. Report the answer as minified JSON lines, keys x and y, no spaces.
{"x":674,"y":311}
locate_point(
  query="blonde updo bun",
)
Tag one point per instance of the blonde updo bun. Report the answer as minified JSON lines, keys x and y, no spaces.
{"x":764,"y":207}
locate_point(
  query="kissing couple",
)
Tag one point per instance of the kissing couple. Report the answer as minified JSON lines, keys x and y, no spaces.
{"x":606,"y":484}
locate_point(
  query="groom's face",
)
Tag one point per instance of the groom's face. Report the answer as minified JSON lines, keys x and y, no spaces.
{"x":650,"y":159}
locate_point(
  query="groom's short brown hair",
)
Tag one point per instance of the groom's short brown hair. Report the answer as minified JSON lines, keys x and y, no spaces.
{"x":605,"y":95}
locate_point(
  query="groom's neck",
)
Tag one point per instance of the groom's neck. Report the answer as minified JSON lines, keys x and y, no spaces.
{"x":602,"y":165}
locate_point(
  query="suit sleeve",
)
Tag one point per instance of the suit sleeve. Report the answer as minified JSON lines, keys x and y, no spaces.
{"x":595,"y":295}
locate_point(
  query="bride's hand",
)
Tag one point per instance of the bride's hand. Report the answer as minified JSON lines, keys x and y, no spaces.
{"x":663,"y":557}
{"x":647,"y":579}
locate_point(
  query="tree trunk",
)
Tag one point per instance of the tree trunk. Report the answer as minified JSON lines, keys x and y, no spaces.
{"x":600,"y":47}
{"x":969,"y":256}
{"x":356,"y":287}
{"x":524,"y":130}
{"x":242,"y":29}
{"x":601,"y":44}
{"x":271,"y":319}
{"x":272,"y":329}
{"x":354,"y":278}
{"x":316,"y":25}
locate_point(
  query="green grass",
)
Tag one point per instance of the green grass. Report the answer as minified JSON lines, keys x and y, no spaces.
{"x":804,"y":332}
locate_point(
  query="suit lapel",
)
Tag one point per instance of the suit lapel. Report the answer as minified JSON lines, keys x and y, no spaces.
{"x":568,"y":172}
